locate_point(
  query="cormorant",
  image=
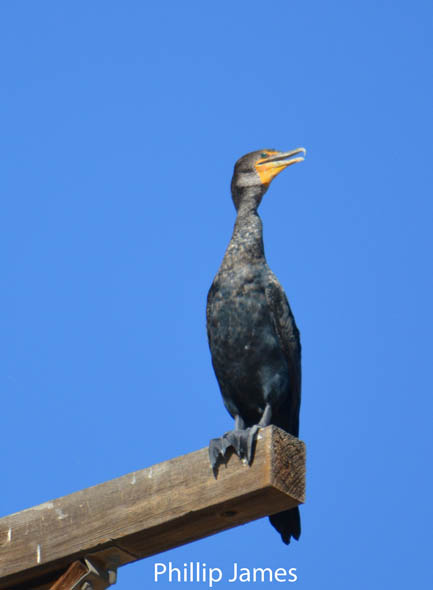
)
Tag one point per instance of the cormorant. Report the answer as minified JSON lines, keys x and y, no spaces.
{"x":253,"y":338}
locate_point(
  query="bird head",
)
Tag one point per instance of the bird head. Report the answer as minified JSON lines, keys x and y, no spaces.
{"x":254,"y":172}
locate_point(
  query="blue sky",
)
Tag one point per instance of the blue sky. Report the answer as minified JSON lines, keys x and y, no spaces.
{"x":120,"y":125}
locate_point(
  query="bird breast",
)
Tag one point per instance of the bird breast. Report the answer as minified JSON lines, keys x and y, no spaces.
{"x":244,"y":345}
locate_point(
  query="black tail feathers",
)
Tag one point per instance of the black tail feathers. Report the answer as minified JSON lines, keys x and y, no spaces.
{"x":288,"y":524}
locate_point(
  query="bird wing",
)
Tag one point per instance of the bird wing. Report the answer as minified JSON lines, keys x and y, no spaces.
{"x":288,"y":335}
{"x":210,"y":298}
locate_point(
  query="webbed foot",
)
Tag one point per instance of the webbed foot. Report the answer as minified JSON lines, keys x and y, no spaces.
{"x":217,"y":449}
{"x":240,"y":440}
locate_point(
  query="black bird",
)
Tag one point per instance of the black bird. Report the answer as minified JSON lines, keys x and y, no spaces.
{"x":253,"y":338}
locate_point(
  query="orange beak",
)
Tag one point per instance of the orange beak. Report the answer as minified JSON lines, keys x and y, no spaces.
{"x":267,"y":168}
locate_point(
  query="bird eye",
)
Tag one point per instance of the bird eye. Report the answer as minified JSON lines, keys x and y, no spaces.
{"x":263,"y":155}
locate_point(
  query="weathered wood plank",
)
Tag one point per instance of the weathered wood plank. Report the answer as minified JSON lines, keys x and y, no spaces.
{"x":152,"y":510}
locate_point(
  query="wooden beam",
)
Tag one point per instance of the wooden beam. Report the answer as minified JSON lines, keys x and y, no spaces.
{"x":73,"y":574}
{"x":150,"y":511}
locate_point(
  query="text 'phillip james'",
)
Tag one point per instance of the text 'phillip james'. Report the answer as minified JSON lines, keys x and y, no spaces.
{"x":200,"y":572}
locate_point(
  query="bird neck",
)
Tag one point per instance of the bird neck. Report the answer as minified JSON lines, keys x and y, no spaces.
{"x":246,"y":244}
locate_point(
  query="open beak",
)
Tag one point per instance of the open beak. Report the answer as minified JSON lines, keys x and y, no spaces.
{"x":269,"y":167}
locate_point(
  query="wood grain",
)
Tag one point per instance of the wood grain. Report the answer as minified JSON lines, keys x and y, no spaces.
{"x":151,"y":510}
{"x":74,"y":573}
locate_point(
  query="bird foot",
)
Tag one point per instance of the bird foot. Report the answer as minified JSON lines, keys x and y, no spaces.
{"x":241,"y":441}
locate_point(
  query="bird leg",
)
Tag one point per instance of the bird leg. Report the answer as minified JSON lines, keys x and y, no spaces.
{"x":241,"y":439}
{"x":239,"y":423}
{"x":266,"y":418}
